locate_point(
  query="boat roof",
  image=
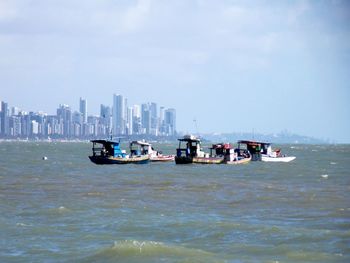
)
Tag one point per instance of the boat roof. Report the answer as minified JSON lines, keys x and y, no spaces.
{"x":221,"y":145}
{"x":189,"y":138}
{"x":105,"y":141}
{"x":253,"y":142}
{"x":140,"y":143}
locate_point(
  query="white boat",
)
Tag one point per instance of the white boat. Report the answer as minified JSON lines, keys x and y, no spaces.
{"x":275,"y":156}
{"x":285,"y":159}
{"x":157,"y":156}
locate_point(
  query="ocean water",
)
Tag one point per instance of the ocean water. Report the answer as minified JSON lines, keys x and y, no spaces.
{"x":67,"y":209}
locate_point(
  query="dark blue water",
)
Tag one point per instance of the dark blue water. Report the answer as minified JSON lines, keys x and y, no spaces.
{"x":66,"y":209}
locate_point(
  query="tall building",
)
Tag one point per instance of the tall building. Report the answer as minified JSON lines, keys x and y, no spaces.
{"x":15,"y":126}
{"x":34,"y":127}
{"x":4,"y":119}
{"x":136,"y":118}
{"x":145,"y":118}
{"x":25,"y":124}
{"x":83,"y":109}
{"x":15,"y":111}
{"x":64,"y":115}
{"x":77,"y":126}
{"x":154,"y":118}
{"x":161,"y":120}
{"x":106,"y":118}
{"x":129,"y":123}
{"x":119,"y":114}
{"x":170,"y":122}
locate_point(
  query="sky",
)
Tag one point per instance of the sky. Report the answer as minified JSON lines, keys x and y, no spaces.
{"x":233,"y":66}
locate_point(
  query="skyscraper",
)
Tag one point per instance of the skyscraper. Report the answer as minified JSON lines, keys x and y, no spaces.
{"x":145,"y":118}
{"x":4,"y":118}
{"x":119,"y":114}
{"x":83,"y":109}
{"x":136,"y":118}
{"x":170,"y":121}
{"x":129,"y":123}
{"x":161,"y":120}
{"x":106,"y":115}
{"x":64,"y":114}
{"x":154,"y":118}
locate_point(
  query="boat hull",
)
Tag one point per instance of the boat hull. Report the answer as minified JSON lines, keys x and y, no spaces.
{"x":164,"y":158}
{"x":118,"y":160}
{"x":208,"y":160}
{"x":285,"y":159}
{"x":183,"y":160}
{"x":239,"y":161}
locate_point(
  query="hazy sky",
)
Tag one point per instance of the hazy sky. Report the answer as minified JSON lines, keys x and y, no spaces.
{"x":231,"y":65}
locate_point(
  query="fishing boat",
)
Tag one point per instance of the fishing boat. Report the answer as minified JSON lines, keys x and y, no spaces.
{"x":237,"y":156}
{"x":224,"y":153}
{"x":158,"y":156}
{"x":216,"y":155}
{"x":140,"y":149}
{"x":262,"y":151}
{"x":275,"y":156}
{"x":255,"y":148}
{"x":189,"y":148}
{"x":109,"y":152}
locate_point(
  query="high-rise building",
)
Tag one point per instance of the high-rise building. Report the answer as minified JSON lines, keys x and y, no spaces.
{"x":129,"y":123}
{"x":15,"y":111}
{"x":15,"y":126}
{"x":25,"y":124}
{"x":136,"y":126}
{"x":154,"y":118}
{"x":64,"y":115}
{"x":4,"y":119}
{"x":106,"y":118}
{"x":145,"y":118}
{"x":119,"y":114}
{"x":77,"y":127}
{"x":170,"y":122}
{"x":161,"y":120}
{"x":34,"y":127}
{"x":83,"y":109}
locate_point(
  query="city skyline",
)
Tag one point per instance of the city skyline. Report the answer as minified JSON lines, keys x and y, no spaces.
{"x":116,"y":120}
{"x":229,"y":65}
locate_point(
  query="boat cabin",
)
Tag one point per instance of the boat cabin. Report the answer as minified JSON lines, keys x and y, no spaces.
{"x":139,"y":148}
{"x":255,"y":148}
{"x":189,"y":146}
{"x":106,"y":148}
{"x":220,"y":149}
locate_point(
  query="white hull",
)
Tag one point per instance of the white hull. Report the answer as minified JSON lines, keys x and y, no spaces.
{"x":162,"y":158}
{"x":285,"y":159}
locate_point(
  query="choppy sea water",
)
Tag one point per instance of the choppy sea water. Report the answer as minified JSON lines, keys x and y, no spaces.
{"x":67,"y":209}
